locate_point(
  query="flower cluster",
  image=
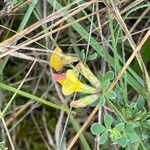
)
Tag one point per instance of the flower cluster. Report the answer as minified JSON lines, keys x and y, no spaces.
{"x":69,"y":80}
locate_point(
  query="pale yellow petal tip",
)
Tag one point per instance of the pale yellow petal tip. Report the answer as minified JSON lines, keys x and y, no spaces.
{"x":77,"y":104}
{"x":83,"y":102}
{"x":89,"y":75}
{"x":70,"y":59}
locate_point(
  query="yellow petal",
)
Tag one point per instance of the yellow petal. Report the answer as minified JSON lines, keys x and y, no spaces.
{"x":71,"y":84}
{"x":68,"y":88}
{"x":70,"y":75}
{"x":59,"y":59}
{"x":56,"y":59}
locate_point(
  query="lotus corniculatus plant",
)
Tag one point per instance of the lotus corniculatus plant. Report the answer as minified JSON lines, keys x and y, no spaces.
{"x":70,"y":82}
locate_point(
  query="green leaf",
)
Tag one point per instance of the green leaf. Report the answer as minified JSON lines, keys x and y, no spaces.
{"x":146,"y":124}
{"x":115,"y":134}
{"x":132,"y":137}
{"x":94,"y":103}
{"x":97,"y":129}
{"x":129,"y":127}
{"x":140,"y":103}
{"x":105,"y":85}
{"x":126,"y":113}
{"x":83,"y":54}
{"x":101,"y":100}
{"x":92,"y":57}
{"x":103,"y":138}
{"x":123,"y":140}
{"x":100,"y":76}
{"x":109,"y":75}
{"x":145,"y":116}
{"x":110,"y":94}
{"x":120,"y":126}
{"x":108,"y":120}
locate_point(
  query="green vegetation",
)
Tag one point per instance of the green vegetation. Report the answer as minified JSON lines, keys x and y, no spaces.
{"x":93,"y":94}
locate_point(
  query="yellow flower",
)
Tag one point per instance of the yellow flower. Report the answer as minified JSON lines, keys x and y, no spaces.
{"x":72,"y":84}
{"x":59,"y":59}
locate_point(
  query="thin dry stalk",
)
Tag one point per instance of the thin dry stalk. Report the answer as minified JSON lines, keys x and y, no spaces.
{"x":19,"y":112}
{"x":139,"y":19}
{"x":8,"y":135}
{"x":43,"y":36}
{"x":31,"y":28}
{"x":133,"y":45}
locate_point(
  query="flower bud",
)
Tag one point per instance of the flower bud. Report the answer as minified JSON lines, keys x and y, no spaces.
{"x":83,"y":102}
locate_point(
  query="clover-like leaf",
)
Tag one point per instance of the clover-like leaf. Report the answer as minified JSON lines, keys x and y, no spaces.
{"x":109,"y":75}
{"x":105,"y":85}
{"x":100,"y":76}
{"x":120,"y":126}
{"x":97,"y":129}
{"x":129,"y":127}
{"x":115,"y":134}
{"x":103,"y":138}
{"x":101,"y":100}
{"x":123,"y":140}
{"x":110,"y":95}
{"x":132,"y":136}
{"x":108,"y":120}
